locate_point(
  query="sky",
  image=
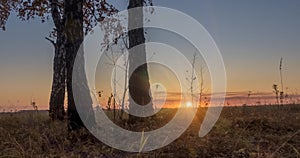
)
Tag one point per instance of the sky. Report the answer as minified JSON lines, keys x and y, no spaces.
{"x":252,"y":37}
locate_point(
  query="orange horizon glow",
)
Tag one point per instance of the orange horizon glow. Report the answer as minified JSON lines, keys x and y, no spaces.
{"x":174,"y":100}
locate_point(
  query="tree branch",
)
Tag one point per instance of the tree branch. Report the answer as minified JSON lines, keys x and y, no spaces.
{"x":55,"y":14}
{"x":50,"y":41}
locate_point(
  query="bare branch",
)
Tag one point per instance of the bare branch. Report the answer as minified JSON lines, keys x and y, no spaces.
{"x":50,"y":41}
{"x":125,"y":42}
{"x":55,"y":14}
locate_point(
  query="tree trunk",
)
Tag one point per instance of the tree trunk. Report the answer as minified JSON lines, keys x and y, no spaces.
{"x":139,"y":85}
{"x":56,"y":109}
{"x":57,"y":98}
{"x":74,"y":38}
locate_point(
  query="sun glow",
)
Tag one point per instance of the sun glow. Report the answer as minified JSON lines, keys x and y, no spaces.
{"x":188,"y":104}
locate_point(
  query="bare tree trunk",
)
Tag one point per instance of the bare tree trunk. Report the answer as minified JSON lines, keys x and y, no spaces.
{"x":56,"y":109}
{"x":139,"y":80}
{"x":74,"y":38}
{"x":56,"y":106}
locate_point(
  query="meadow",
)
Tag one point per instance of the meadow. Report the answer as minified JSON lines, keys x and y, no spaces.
{"x":254,"y":131}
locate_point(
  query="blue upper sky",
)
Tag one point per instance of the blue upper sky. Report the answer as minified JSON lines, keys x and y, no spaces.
{"x":251,"y":35}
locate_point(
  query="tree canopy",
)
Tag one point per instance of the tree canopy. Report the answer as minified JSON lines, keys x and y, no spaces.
{"x":94,"y":11}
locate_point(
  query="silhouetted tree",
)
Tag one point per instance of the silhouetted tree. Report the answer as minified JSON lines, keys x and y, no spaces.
{"x":276,"y":91}
{"x":64,"y":13}
{"x":75,"y":21}
{"x":281,"y":81}
{"x":57,"y":98}
{"x":139,"y":85}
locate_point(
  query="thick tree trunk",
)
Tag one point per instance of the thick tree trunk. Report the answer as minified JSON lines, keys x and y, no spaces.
{"x":56,"y":109}
{"x":74,"y":38}
{"x":57,"y":98}
{"x":139,"y":85}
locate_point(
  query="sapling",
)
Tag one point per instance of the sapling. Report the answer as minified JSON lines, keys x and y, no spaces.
{"x":276,"y":91}
{"x":33,"y":104}
{"x":281,"y":80}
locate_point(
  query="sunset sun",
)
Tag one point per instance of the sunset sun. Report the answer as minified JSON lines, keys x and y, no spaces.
{"x":188,"y":104}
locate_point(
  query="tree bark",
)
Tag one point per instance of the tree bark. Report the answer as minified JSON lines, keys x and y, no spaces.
{"x":56,"y":109}
{"x":139,"y":85}
{"x":74,"y":38}
{"x":57,"y":98}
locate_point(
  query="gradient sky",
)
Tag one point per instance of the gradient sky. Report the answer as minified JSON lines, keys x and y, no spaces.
{"x":251,"y":35}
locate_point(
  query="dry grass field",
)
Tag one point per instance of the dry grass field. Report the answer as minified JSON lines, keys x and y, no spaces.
{"x":261,"y":131}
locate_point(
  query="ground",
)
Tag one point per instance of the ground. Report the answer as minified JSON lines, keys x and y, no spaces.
{"x":260,"y":131}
